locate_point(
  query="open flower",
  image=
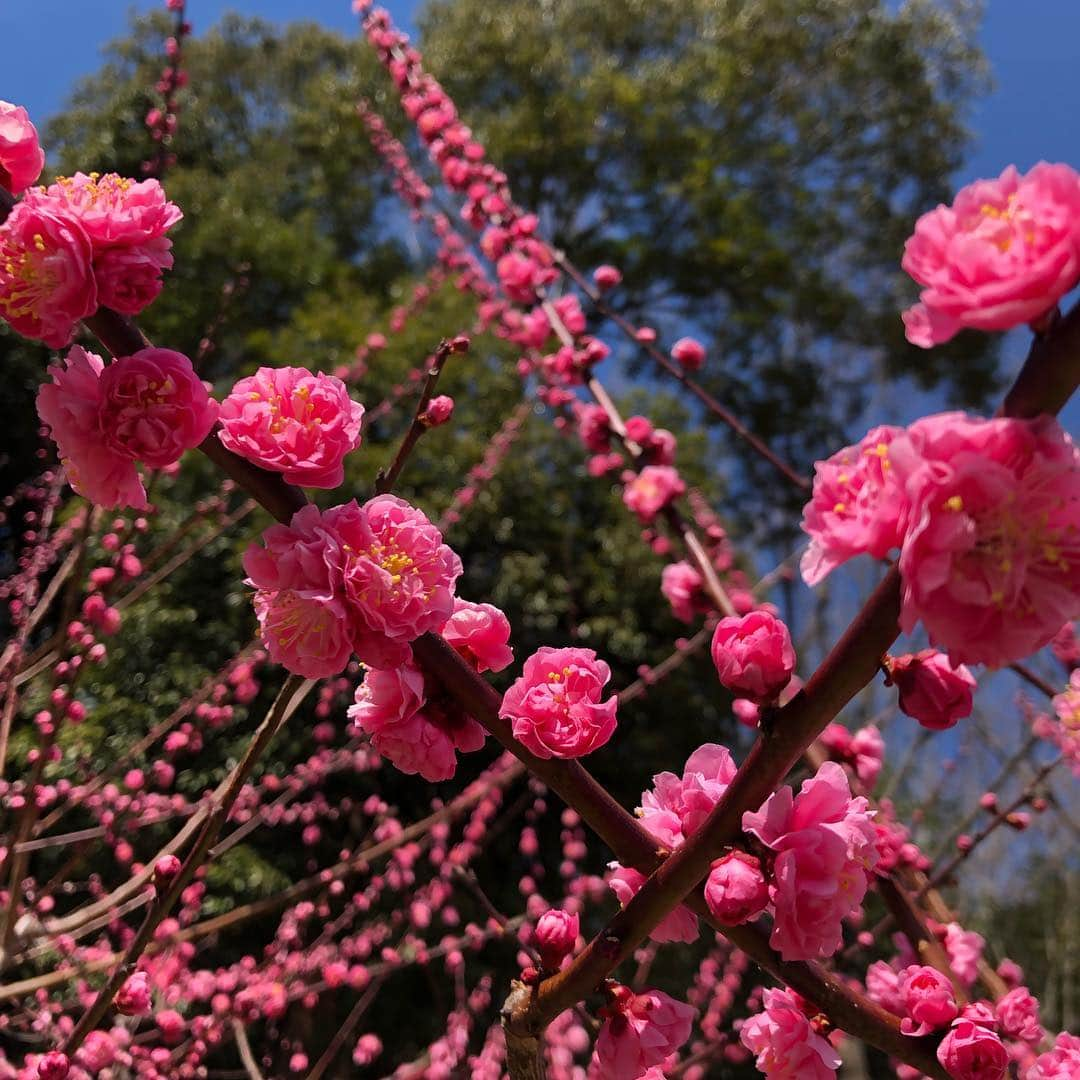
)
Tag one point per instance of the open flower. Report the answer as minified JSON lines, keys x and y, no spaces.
{"x":1003,"y":254}
{"x":555,"y":705}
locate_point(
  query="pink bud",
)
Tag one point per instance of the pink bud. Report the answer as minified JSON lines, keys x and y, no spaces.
{"x":439,"y":410}
{"x":931,"y":690}
{"x":133,"y":998}
{"x":606,"y":277}
{"x":736,"y":891}
{"x":689,"y":352}
{"x":165,"y":870}
{"x":555,"y":936}
{"x":53,"y":1066}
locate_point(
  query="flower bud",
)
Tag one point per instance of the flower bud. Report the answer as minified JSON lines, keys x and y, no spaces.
{"x":931,"y":690}
{"x":555,"y":936}
{"x":736,"y":891}
{"x":688,"y":352}
{"x":439,"y":410}
{"x":753,"y":656}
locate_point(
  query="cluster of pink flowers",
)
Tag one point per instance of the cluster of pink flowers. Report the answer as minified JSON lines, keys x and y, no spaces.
{"x":986,"y":514}
{"x":366,"y":579}
{"x":293,"y":421}
{"x":555,"y":707}
{"x":825,"y":847}
{"x":162,"y":120}
{"x":863,"y":751}
{"x":640,"y":1033}
{"x":21,"y":156}
{"x":148,"y":408}
{"x":785,"y":1043}
{"x":412,"y":721}
{"x":1003,"y":254}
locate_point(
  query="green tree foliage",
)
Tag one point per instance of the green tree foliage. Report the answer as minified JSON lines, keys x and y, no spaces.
{"x":754,"y":167}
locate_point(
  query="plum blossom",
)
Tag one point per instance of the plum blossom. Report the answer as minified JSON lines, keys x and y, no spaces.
{"x":479,"y":632}
{"x":293,"y":421}
{"x":689,"y":352}
{"x":555,"y":936}
{"x":863,"y":750}
{"x":736,"y":890}
{"x":928,"y":1000}
{"x":555,"y":705}
{"x":1060,"y":1063}
{"x":856,"y":507}
{"x":21,"y":156}
{"x":677,"y":806}
{"x":931,"y":690}
{"x":366,"y":579}
{"x":682,"y":587}
{"x":149,"y":407}
{"x":651,"y":490}
{"x":1003,"y":254}
{"x":644,"y":1030}
{"x":753,"y":655}
{"x":825,"y":846}
{"x":1018,"y":1014}
{"x":991,"y":555}
{"x":46,"y":276}
{"x":971,"y":1051}
{"x":784,"y":1042}
{"x":418,"y":730}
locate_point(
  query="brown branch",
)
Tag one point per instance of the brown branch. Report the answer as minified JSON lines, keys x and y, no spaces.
{"x":346,"y":1029}
{"x":385,"y":480}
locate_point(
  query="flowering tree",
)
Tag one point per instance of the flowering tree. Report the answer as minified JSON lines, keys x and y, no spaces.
{"x":745,"y":881}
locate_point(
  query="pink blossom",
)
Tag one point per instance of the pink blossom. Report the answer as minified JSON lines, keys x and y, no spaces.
{"x":972,"y":1052}
{"x":371,"y":578}
{"x":97,"y":1052}
{"x":114,"y":211}
{"x":438,"y":412}
{"x":594,"y":428}
{"x":417,"y":735}
{"x":736,"y":891}
{"x":785,"y":1045}
{"x":480,"y":633}
{"x":928,"y":1000}
{"x":931,"y":690}
{"x":555,"y":936}
{"x":965,"y":948}
{"x":1003,"y":254}
{"x":682,"y":585}
{"x":651,"y":490}
{"x":154,"y":407}
{"x":71,"y":406}
{"x":53,"y":1066}
{"x":133,"y":998}
{"x":21,"y":156}
{"x":555,"y":705}
{"x":689,"y":352}
{"x":679,"y":925}
{"x":644,"y":1031}
{"x":293,"y":421}
{"x":129,"y":278}
{"x":1018,"y":1014}
{"x":46,"y":280}
{"x":863,"y":750}
{"x":1061,"y":1063}
{"x":368,"y":1048}
{"x":883,"y":986}
{"x":856,"y":507}
{"x":826,"y":845}
{"x":991,"y":557}
{"x":606,"y":277}
{"x":753,"y":655}
{"x":677,"y":806}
